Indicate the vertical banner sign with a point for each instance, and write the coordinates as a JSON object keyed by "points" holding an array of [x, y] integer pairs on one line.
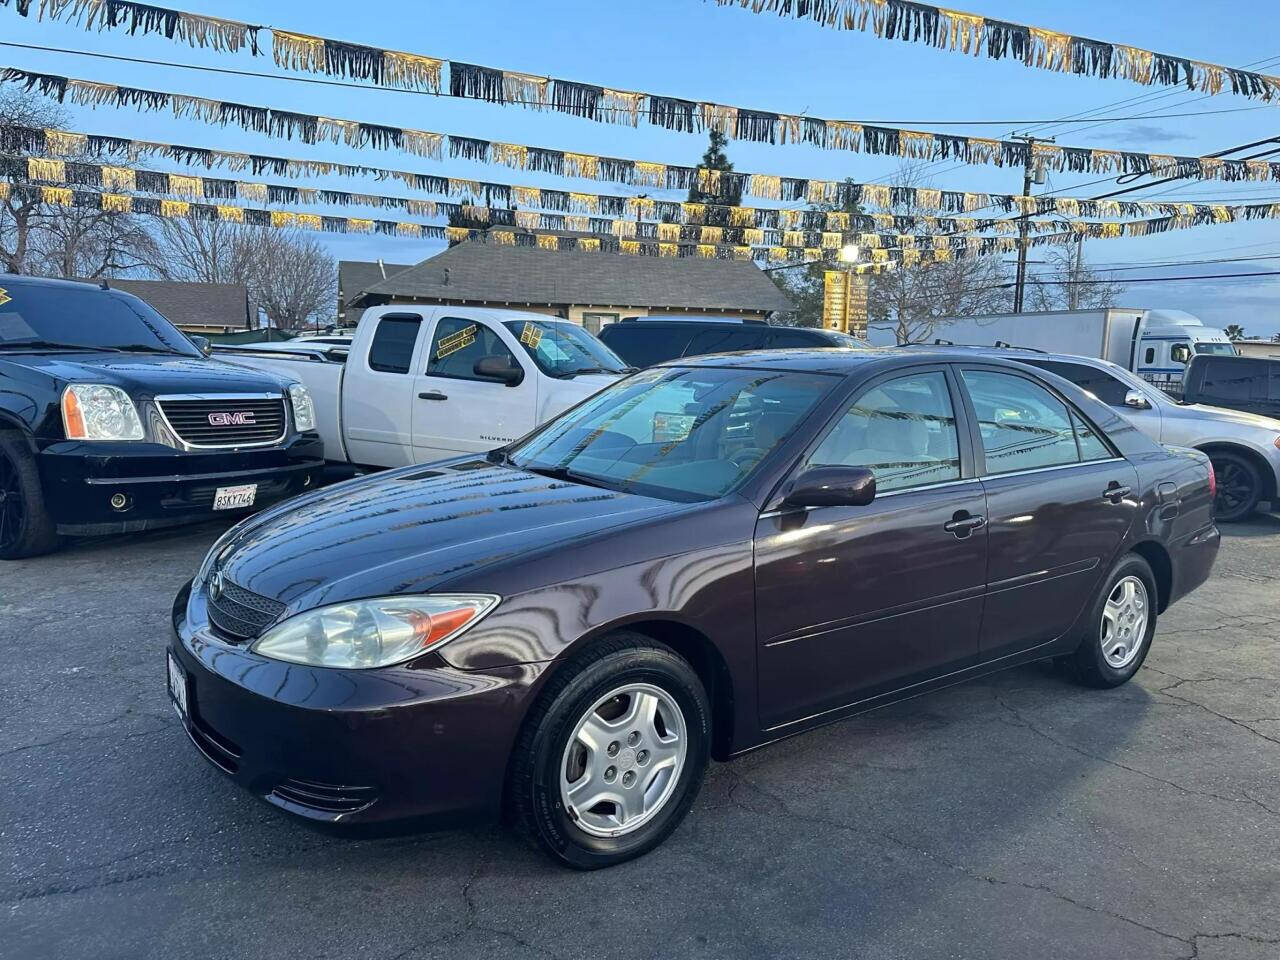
{"points": [[835, 300], [856, 309]]}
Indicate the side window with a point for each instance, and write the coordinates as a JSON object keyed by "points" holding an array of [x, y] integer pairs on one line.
{"points": [[1228, 380], [1149, 356], [796, 339], [725, 337], [904, 430], [1092, 446], [392, 348], [642, 344], [458, 344], [595, 322], [1023, 425], [1098, 382]]}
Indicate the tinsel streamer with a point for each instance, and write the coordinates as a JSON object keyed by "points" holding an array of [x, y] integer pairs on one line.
{"points": [[117, 203], [423, 144], [503, 237], [576, 99], [256, 192], [831, 241], [185, 186], [706, 250], [525, 89], [39, 168], [468, 148], [548, 241], [381, 137], [509, 155], [1049, 50], [174, 208], [298, 51], [281, 194], [581, 165], [673, 114], [411, 72], [353, 60], [614, 170], [621, 107], [259, 120], [1133, 63], [475, 82], [718, 117], [583, 202]]}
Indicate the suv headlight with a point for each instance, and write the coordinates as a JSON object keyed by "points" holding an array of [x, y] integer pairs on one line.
{"points": [[304, 411], [364, 634], [93, 411]]}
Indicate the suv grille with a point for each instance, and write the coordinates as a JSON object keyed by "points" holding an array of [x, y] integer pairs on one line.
{"points": [[226, 422], [240, 614]]}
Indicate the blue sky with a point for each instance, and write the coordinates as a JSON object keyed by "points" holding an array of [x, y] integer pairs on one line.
{"points": [[696, 50]]}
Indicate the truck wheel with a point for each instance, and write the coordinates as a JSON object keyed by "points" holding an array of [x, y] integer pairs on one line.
{"points": [[1239, 486], [26, 529]]}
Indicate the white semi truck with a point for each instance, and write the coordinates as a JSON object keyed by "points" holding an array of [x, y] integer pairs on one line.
{"points": [[1155, 344]]}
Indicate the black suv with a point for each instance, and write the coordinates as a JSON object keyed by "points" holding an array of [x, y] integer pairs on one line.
{"points": [[1251, 384], [112, 420], [643, 341]]}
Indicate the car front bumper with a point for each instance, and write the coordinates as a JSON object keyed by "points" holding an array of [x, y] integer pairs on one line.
{"points": [[161, 485], [350, 746]]}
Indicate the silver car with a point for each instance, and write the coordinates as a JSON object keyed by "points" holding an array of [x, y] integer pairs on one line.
{"points": [[1243, 447]]}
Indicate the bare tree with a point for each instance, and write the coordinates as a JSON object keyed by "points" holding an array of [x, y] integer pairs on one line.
{"points": [[1073, 284], [912, 301], [51, 239], [290, 275]]}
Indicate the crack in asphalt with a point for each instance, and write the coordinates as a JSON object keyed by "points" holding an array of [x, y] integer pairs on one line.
{"points": [[1028, 724], [79, 735]]}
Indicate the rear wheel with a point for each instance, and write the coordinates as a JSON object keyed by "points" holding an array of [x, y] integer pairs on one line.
{"points": [[1121, 625], [611, 757], [1239, 486], [26, 529]]}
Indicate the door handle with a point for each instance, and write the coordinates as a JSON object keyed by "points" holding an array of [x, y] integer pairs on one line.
{"points": [[433, 395], [961, 526], [1115, 493]]}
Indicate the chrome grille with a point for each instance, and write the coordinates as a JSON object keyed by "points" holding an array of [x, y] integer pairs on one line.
{"points": [[237, 613], [225, 421]]}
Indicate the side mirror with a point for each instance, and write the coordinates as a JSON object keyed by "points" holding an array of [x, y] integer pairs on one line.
{"points": [[203, 344], [832, 487], [1180, 353], [499, 367], [1137, 399]]}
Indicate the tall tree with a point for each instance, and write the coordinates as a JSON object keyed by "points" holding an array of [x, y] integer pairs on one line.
{"points": [[1071, 284], [1234, 331], [715, 159]]}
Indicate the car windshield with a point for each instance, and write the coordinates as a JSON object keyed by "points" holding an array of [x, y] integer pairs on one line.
{"points": [[85, 318], [1216, 349], [676, 433], [564, 349]]}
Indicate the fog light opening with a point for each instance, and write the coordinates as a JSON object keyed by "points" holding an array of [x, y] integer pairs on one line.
{"points": [[120, 502]]}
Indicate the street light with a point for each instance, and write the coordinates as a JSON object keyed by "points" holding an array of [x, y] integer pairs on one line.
{"points": [[849, 253]]}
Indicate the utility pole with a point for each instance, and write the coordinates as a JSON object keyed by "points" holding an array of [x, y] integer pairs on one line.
{"points": [[1031, 171]]}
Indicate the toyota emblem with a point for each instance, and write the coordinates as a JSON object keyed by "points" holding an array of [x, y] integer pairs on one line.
{"points": [[215, 585]]}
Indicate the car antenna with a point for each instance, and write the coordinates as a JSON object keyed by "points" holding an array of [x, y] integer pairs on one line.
{"points": [[103, 285]]}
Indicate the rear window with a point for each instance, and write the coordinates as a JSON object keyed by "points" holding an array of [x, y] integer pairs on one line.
{"points": [[1233, 379], [642, 344], [84, 317], [792, 339], [393, 342]]}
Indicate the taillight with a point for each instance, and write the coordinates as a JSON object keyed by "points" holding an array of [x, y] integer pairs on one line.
{"points": [[1213, 483]]}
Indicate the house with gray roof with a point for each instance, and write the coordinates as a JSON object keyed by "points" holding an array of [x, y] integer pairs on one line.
{"points": [[354, 277], [204, 308], [589, 288]]}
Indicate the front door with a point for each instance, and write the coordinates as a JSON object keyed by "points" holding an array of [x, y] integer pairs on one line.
{"points": [[457, 410], [1059, 502], [852, 602], [377, 409]]}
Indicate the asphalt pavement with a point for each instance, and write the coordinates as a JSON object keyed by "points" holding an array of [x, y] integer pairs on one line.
{"points": [[1016, 817]]}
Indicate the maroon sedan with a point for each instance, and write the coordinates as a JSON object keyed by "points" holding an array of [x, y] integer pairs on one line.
{"points": [[705, 557]]}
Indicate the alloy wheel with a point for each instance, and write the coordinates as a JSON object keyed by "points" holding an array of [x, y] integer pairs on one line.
{"points": [[1235, 487], [1124, 622], [12, 507], [624, 759]]}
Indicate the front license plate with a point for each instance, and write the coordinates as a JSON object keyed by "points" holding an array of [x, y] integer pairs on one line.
{"points": [[235, 498], [177, 686]]}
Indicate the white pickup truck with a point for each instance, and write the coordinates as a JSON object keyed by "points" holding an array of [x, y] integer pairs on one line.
{"points": [[418, 384]]}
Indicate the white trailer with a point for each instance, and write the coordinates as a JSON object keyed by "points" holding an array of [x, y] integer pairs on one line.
{"points": [[1154, 344]]}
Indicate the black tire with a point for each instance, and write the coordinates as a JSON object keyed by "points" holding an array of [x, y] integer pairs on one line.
{"points": [[26, 529], [1239, 486], [540, 751], [1090, 664]]}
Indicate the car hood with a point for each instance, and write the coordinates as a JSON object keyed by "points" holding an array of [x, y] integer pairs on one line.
{"points": [[411, 530], [1225, 415], [144, 375]]}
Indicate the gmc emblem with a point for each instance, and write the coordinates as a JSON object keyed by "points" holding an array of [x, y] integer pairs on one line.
{"points": [[239, 418]]}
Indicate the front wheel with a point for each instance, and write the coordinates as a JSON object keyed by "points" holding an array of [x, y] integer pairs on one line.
{"points": [[1239, 486], [1121, 625], [26, 529], [611, 757]]}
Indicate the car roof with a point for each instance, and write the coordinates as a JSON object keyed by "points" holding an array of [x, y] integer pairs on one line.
{"points": [[838, 360], [1023, 354]]}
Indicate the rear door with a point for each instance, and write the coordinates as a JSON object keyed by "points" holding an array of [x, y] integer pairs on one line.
{"points": [[1059, 500], [852, 602], [455, 410], [1111, 390], [377, 408]]}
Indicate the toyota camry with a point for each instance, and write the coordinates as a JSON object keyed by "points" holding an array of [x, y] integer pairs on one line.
{"points": [[704, 557]]}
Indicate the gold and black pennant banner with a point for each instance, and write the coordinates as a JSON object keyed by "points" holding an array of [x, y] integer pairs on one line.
{"points": [[974, 35], [885, 141]]}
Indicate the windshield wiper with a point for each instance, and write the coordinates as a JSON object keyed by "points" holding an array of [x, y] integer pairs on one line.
{"points": [[144, 348], [566, 374], [565, 475], [47, 345]]}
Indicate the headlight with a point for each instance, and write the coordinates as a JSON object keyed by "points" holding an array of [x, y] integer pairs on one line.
{"points": [[92, 411], [304, 411], [373, 633]]}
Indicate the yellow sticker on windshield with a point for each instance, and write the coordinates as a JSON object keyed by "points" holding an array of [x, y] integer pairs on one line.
{"points": [[455, 342], [4, 296], [531, 335]]}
